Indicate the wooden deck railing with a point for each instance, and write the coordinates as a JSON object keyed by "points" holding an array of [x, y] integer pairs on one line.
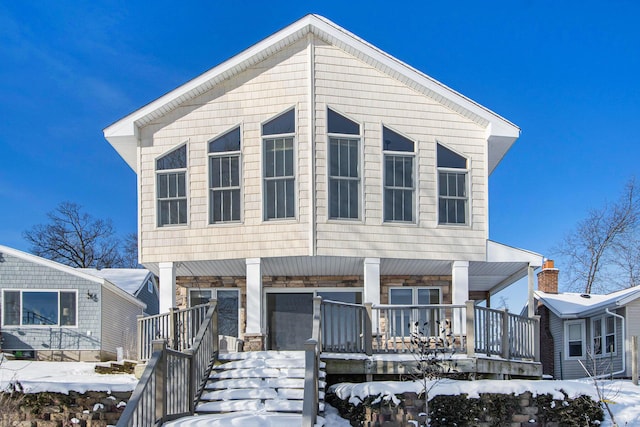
{"points": [[177, 327], [470, 329], [173, 380]]}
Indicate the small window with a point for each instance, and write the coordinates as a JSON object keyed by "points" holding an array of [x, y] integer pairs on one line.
{"points": [[228, 307], [149, 286], [224, 177], [39, 308], [399, 182], [344, 167], [279, 170], [172, 187], [453, 199], [574, 339]]}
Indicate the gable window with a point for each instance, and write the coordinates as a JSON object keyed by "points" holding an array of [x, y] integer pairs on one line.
{"points": [[224, 177], [171, 172], [399, 183], [344, 166], [228, 307], [403, 318], [279, 176], [39, 308], [603, 330], [574, 332], [453, 199]]}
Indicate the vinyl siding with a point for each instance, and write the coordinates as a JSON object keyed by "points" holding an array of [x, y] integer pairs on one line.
{"points": [[119, 323], [17, 273]]}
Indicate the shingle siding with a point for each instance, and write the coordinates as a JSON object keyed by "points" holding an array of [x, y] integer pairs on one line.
{"points": [[119, 323]]}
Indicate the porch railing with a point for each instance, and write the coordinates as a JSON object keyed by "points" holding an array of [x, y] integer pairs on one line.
{"points": [[312, 349], [177, 327], [160, 394], [470, 329]]}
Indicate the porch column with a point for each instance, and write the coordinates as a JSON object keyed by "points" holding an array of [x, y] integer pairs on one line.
{"points": [[254, 296], [531, 301], [460, 282], [167, 286], [372, 285]]}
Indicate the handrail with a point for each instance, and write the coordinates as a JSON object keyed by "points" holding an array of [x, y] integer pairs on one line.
{"points": [[160, 394], [312, 349]]}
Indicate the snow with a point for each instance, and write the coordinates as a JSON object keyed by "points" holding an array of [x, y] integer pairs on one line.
{"points": [[63, 377], [127, 279]]}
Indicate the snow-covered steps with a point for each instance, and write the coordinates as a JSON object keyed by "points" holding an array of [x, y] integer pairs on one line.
{"points": [[259, 382]]}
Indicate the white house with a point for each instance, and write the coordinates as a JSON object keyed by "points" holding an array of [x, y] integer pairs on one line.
{"points": [[314, 163]]}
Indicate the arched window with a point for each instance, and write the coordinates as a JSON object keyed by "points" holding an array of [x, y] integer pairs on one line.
{"points": [[224, 177], [171, 171], [453, 198], [399, 182], [344, 166]]}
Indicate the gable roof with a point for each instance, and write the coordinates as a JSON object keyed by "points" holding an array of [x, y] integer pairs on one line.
{"points": [[573, 305], [130, 280], [500, 133], [77, 272]]}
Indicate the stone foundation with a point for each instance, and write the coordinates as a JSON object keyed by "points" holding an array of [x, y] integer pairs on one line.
{"points": [[253, 342]]}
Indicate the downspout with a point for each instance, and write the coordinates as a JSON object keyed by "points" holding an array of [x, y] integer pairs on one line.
{"points": [[624, 350]]}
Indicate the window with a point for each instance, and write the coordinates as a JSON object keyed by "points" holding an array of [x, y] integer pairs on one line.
{"points": [[603, 330], [574, 332], [172, 187], [228, 307], [39, 308], [224, 179], [149, 286], [403, 318], [344, 167], [279, 176], [452, 187], [399, 187]]}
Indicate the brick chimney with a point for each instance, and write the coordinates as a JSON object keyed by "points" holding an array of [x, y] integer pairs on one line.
{"points": [[548, 278]]}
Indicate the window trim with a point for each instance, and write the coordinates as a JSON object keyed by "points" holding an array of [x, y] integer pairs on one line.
{"points": [[360, 179], [603, 336], [158, 172], [467, 173], [414, 189], [57, 325], [583, 334], [214, 295], [414, 293], [240, 187], [295, 177]]}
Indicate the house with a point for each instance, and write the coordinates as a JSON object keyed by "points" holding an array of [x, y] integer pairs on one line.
{"points": [[585, 329], [315, 164], [52, 311], [139, 282]]}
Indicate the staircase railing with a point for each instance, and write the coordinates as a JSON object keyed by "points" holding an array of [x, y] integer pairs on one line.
{"points": [[312, 349], [177, 327], [173, 380]]}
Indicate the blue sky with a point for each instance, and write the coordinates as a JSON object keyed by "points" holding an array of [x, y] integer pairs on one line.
{"points": [[565, 72]]}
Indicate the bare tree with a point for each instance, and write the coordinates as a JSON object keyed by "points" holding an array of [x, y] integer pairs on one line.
{"points": [[130, 251], [594, 247], [75, 238]]}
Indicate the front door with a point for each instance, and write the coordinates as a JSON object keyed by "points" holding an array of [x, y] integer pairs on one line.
{"points": [[289, 320]]}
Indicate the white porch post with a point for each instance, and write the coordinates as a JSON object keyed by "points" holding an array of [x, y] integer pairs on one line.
{"points": [[530, 298], [372, 285], [254, 296], [167, 286], [460, 282]]}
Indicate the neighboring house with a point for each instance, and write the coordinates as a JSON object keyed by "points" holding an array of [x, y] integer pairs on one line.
{"points": [[139, 282], [52, 311], [314, 163], [591, 329]]}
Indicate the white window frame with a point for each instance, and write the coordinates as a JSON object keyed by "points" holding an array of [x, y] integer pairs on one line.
{"points": [[458, 171], [212, 190], [161, 172], [385, 187], [214, 295], [603, 336], [57, 325], [265, 179], [583, 333], [414, 292]]}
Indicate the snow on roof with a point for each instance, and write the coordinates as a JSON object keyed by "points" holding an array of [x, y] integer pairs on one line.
{"points": [[127, 279], [571, 305]]}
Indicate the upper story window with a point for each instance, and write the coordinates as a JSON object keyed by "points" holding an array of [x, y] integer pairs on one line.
{"points": [[224, 178], [344, 166], [279, 176], [171, 176], [574, 332], [453, 199], [399, 182], [604, 335], [39, 308]]}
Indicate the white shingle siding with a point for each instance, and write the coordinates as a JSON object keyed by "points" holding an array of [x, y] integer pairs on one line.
{"points": [[119, 323], [353, 88]]}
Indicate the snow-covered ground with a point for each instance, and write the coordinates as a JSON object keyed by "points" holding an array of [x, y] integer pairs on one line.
{"points": [[62, 377]]}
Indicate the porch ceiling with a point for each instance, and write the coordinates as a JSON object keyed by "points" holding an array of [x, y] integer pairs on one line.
{"points": [[483, 276]]}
